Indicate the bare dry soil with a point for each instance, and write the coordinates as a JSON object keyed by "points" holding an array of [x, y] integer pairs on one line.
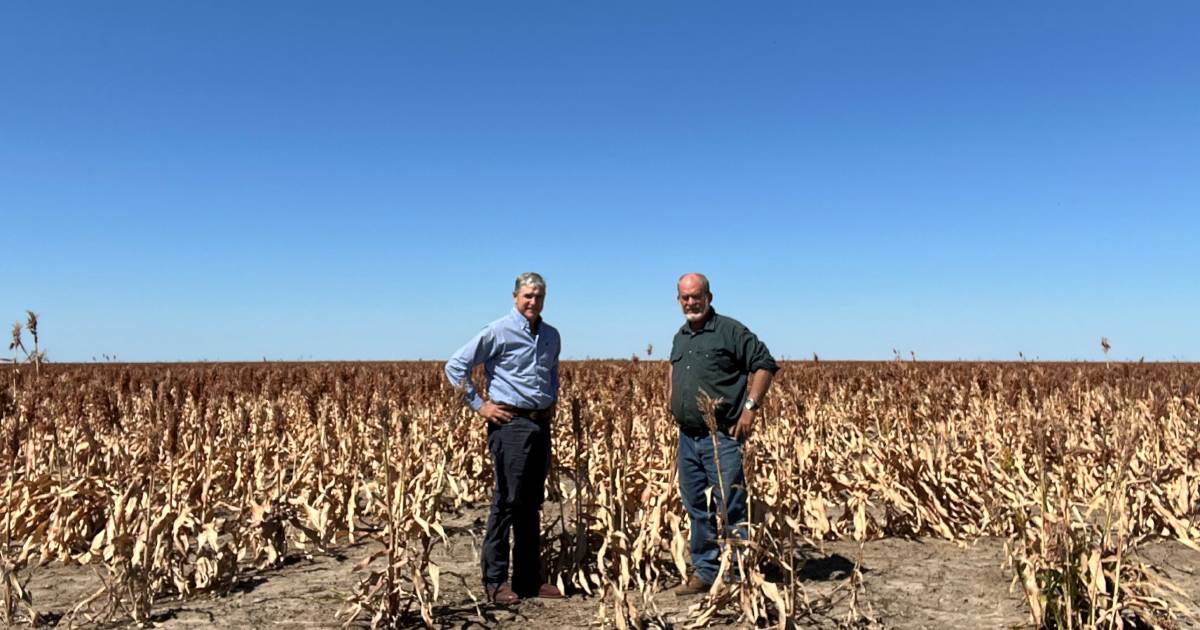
{"points": [[907, 584]]}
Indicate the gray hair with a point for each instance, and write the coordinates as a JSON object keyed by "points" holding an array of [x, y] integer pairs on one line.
{"points": [[703, 280], [529, 278]]}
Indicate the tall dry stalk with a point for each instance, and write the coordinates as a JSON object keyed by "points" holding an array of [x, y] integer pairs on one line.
{"points": [[708, 407], [35, 357], [581, 539], [16, 592], [385, 425], [8, 569]]}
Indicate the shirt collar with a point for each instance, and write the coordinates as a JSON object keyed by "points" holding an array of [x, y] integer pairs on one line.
{"points": [[519, 320], [710, 324]]}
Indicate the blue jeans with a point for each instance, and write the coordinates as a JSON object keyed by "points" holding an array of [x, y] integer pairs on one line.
{"points": [[698, 473]]}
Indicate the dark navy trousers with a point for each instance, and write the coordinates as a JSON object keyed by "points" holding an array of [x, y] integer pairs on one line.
{"points": [[521, 457]]}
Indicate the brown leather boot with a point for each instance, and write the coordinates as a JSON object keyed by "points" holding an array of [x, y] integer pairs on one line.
{"points": [[693, 586], [502, 594], [549, 591]]}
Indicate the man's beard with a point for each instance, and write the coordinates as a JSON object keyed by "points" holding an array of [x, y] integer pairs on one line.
{"points": [[695, 317]]}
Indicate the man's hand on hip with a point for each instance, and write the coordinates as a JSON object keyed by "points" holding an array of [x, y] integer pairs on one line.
{"points": [[744, 427], [495, 413]]}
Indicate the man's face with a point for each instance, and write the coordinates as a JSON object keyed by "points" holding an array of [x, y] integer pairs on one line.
{"points": [[529, 300], [693, 299]]}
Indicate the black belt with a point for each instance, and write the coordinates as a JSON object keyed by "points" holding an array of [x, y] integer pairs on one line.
{"points": [[698, 432], [540, 415]]}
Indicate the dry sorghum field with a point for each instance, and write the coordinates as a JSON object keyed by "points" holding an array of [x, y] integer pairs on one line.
{"points": [[882, 494]]}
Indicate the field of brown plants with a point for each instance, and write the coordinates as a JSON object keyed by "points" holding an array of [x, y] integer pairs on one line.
{"points": [[153, 487]]}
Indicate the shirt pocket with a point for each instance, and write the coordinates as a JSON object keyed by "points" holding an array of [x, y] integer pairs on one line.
{"points": [[720, 360], [546, 351], [677, 372]]}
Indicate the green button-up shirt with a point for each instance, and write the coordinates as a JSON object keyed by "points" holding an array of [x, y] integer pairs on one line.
{"points": [[717, 359]]}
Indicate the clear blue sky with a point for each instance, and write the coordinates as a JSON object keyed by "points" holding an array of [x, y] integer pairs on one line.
{"points": [[233, 180]]}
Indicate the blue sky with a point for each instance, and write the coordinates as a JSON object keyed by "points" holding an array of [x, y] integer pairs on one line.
{"points": [[293, 180]]}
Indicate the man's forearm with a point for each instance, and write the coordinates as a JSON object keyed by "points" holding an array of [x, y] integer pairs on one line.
{"points": [[670, 373], [759, 384]]}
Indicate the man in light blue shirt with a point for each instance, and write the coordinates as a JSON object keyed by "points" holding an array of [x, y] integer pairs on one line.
{"points": [[519, 353]]}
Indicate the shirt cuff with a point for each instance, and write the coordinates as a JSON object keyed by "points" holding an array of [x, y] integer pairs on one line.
{"points": [[475, 401], [769, 366]]}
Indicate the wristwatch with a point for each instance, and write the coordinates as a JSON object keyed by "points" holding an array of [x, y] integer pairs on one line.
{"points": [[750, 405]]}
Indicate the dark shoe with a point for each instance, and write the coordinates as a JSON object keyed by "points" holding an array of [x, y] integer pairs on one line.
{"points": [[549, 591], [693, 586], [502, 594], [545, 591]]}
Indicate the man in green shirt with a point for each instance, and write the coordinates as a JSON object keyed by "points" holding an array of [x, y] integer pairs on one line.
{"points": [[719, 369]]}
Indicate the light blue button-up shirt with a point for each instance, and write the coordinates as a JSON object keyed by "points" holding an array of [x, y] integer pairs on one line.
{"points": [[522, 369]]}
